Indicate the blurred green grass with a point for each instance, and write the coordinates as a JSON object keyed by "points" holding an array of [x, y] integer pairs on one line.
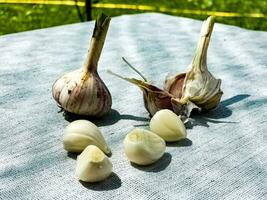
{"points": [[22, 17]]}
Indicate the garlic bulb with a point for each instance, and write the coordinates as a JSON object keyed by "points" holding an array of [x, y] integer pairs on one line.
{"points": [[198, 86], [82, 91], [81, 133], [93, 165], [168, 126], [143, 147]]}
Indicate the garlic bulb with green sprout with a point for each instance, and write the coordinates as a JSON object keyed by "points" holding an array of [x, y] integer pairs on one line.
{"points": [[198, 86], [82, 91]]}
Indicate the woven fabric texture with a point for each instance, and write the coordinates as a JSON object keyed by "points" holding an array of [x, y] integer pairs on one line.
{"points": [[224, 157]]}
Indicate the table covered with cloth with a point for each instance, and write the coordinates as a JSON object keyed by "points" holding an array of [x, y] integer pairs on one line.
{"points": [[223, 157]]}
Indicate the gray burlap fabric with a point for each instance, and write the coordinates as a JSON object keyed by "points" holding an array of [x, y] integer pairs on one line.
{"points": [[224, 157]]}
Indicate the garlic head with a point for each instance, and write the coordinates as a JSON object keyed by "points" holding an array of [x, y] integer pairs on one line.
{"points": [[143, 147], [93, 165], [81, 133], [200, 86], [82, 91], [197, 88], [168, 126]]}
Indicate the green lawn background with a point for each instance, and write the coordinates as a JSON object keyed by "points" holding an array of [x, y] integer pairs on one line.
{"points": [[22, 17]]}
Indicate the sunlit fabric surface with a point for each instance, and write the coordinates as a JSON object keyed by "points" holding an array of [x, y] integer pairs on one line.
{"points": [[224, 157]]}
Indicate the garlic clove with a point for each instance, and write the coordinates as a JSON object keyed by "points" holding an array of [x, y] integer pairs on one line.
{"points": [[143, 147], [168, 126], [93, 165], [82, 91], [81, 133]]}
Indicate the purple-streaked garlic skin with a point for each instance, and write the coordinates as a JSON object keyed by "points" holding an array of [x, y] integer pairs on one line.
{"points": [[174, 85], [155, 99], [83, 94]]}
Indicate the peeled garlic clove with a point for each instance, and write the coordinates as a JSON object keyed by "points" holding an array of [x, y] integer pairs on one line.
{"points": [[143, 147], [168, 126], [82, 91], [93, 165], [81, 133]]}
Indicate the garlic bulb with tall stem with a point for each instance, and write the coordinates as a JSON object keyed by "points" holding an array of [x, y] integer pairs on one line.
{"points": [[198, 86], [82, 91]]}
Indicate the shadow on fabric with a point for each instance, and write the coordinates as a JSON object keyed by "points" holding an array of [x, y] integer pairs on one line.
{"points": [[111, 183], [181, 143], [214, 116], [111, 118], [158, 166], [74, 155]]}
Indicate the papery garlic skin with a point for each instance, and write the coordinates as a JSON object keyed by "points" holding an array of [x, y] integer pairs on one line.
{"points": [[174, 85], [82, 91], [154, 98], [168, 126], [93, 165], [83, 94], [143, 147], [81, 133]]}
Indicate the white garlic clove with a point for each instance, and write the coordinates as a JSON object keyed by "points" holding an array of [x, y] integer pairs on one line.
{"points": [[143, 147], [168, 126], [81, 133], [93, 165]]}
